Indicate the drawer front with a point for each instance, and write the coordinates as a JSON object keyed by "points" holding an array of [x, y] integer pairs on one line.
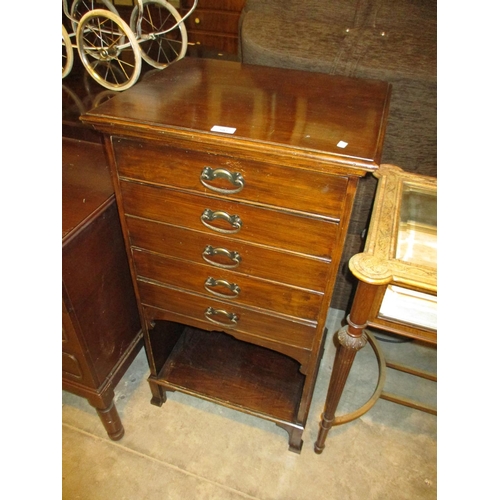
{"points": [[230, 286], [218, 315], [220, 252], [219, 22], [239, 221], [220, 42], [236, 5], [282, 187]]}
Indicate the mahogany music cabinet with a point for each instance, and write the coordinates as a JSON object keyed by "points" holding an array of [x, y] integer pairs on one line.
{"points": [[235, 185]]}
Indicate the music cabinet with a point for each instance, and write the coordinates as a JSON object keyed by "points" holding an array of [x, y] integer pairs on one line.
{"points": [[235, 186]]}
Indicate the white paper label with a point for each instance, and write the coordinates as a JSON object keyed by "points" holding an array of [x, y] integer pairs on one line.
{"points": [[224, 130], [342, 144]]}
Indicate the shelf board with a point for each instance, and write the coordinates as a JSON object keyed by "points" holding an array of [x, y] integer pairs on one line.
{"points": [[236, 374]]}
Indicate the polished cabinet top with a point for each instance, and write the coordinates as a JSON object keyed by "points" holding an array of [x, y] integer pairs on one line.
{"points": [[86, 183], [317, 115]]}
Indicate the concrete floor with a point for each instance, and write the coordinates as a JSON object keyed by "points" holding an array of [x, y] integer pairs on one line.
{"points": [[192, 449]]}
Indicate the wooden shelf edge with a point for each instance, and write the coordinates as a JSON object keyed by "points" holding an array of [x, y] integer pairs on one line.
{"points": [[208, 365]]}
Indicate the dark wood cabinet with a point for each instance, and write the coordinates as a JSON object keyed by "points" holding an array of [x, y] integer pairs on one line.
{"points": [[101, 329], [235, 186], [213, 26]]}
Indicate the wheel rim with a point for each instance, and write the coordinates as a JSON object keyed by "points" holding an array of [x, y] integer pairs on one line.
{"points": [[108, 50], [80, 7], [159, 45], [67, 53]]}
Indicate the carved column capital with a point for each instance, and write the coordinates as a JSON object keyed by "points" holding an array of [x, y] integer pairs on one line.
{"points": [[350, 342]]}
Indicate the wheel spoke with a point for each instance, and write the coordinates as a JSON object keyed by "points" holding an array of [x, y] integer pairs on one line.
{"points": [[108, 41], [163, 37]]}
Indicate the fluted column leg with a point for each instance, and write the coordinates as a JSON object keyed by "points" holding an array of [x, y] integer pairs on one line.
{"points": [[351, 339]]}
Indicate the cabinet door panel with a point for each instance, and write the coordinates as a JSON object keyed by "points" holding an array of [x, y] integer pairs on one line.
{"points": [[74, 364]]}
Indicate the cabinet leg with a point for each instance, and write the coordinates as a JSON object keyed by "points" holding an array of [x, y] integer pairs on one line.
{"points": [[351, 339], [111, 421], [294, 437], [158, 392]]}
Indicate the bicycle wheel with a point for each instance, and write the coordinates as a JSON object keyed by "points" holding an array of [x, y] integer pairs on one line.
{"points": [[67, 53], [80, 7], [108, 49], [161, 42]]}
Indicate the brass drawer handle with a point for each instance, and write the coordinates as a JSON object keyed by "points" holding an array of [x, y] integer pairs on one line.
{"points": [[233, 288], [233, 220], [235, 178], [210, 251], [232, 318]]}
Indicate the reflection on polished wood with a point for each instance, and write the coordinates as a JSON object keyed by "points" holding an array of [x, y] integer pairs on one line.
{"points": [[81, 93], [312, 113]]}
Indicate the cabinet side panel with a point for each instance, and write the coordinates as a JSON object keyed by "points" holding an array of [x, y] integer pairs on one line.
{"points": [[97, 277]]}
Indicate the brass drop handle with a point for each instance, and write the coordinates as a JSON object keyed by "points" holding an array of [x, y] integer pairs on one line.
{"points": [[235, 178], [211, 283], [230, 319], [233, 257], [233, 220]]}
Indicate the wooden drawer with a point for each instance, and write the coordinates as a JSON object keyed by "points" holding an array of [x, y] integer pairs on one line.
{"points": [[220, 22], [257, 324], [233, 287], [236, 5], [295, 189], [267, 227], [223, 43], [266, 263]]}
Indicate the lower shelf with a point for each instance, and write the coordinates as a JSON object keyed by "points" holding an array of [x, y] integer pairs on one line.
{"points": [[236, 374]]}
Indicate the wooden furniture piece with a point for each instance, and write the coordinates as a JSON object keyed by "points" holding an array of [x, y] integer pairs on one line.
{"points": [[101, 329], [397, 289], [213, 25], [235, 184]]}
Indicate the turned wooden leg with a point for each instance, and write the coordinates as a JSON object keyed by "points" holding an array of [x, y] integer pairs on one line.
{"points": [[111, 421], [158, 392], [104, 404], [351, 339]]}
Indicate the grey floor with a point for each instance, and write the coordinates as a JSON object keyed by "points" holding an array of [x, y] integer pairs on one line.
{"points": [[192, 449]]}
